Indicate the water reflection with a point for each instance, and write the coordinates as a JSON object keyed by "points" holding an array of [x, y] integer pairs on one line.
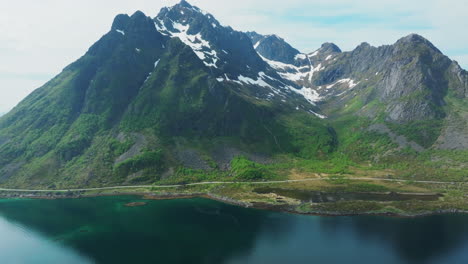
{"points": [[175, 231], [201, 231], [19, 245], [416, 240]]}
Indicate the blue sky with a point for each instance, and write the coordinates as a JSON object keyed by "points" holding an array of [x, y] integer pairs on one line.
{"points": [[39, 38]]}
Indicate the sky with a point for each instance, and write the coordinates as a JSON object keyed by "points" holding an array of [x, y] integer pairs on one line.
{"points": [[39, 38]]}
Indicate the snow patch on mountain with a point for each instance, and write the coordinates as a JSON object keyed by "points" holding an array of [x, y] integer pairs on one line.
{"points": [[317, 114], [351, 83], [156, 63], [292, 72], [300, 56], [311, 95], [262, 80], [277, 65], [200, 46], [257, 44], [159, 24], [151, 72], [259, 81], [295, 74], [315, 53], [314, 70]]}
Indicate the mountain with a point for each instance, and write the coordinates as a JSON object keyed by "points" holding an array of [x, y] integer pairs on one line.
{"points": [[227, 53], [409, 85], [152, 96], [180, 97]]}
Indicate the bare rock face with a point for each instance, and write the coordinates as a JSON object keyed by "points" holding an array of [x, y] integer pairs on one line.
{"points": [[409, 77], [414, 83], [459, 80], [135, 150], [191, 158], [455, 133], [398, 139], [275, 48], [404, 83], [9, 170]]}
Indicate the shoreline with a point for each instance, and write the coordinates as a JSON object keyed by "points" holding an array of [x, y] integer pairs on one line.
{"points": [[283, 208]]}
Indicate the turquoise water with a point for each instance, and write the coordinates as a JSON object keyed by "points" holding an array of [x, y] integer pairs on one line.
{"points": [[104, 230]]}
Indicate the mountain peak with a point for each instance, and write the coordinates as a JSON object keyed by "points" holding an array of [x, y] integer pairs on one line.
{"points": [[364, 45], [276, 48], [120, 21], [185, 4], [275, 37], [183, 10], [139, 13], [137, 23], [213, 43], [330, 47], [413, 37]]}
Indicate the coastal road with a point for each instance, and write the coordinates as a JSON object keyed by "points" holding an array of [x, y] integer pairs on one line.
{"points": [[217, 182]]}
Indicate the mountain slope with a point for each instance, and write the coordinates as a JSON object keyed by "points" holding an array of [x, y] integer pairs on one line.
{"points": [[180, 98], [410, 86], [143, 102]]}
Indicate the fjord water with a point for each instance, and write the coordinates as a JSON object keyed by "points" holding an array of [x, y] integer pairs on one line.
{"points": [[104, 230]]}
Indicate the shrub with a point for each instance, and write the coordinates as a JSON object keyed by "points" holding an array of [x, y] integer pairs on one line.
{"points": [[148, 160], [245, 169]]}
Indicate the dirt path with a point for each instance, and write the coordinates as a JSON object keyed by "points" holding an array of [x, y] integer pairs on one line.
{"points": [[217, 182]]}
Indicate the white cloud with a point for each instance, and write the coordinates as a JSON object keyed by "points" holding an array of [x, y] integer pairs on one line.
{"points": [[39, 38]]}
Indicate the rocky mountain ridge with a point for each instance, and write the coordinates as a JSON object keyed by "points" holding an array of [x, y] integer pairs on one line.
{"points": [[180, 96], [330, 68], [409, 81]]}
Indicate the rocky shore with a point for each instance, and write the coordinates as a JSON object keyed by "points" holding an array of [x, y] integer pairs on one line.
{"points": [[285, 207]]}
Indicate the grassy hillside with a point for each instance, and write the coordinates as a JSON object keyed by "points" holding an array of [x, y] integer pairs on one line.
{"points": [[142, 108], [120, 120]]}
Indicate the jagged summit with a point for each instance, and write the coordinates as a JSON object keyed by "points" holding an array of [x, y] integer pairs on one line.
{"points": [[254, 36], [134, 26], [413, 37], [275, 36], [120, 21], [413, 40], [139, 13], [363, 46], [276, 48], [185, 4], [228, 53], [330, 47]]}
